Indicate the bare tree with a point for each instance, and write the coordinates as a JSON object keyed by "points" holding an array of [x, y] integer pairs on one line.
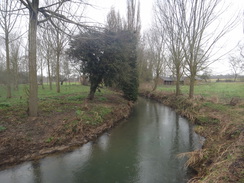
{"points": [[157, 48], [193, 20], [236, 65], [59, 41], [41, 60], [66, 69], [14, 59], [168, 19], [199, 43], [133, 16], [145, 65], [237, 62], [114, 21], [46, 51], [48, 15], [8, 20]]}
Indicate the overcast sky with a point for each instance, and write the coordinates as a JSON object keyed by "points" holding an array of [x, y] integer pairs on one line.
{"points": [[101, 8], [228, 43]]}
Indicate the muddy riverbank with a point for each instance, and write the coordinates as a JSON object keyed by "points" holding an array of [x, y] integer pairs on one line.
{"points": [[62, 125]]}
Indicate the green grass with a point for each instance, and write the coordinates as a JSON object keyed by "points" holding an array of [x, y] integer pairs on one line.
{"points": [[206, 120], [74, 93], [93, 116], [217, 107], [50, 139], [2, 128], [222, 90]]}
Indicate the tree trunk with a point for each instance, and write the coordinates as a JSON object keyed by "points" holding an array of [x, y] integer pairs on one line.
{"points": [[33, 96], [42, 75], [57, 64], [93, 89], [192, 84], [155, 83], [9, 95], [57, 73], [15, 75], [178, 92], [156, 79], [235, 76], [49, 73]]}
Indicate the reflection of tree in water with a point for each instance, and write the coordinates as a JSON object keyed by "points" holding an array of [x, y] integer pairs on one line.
{"points": [[191, 138], [37, 171], [155, 110], [177, 146]]}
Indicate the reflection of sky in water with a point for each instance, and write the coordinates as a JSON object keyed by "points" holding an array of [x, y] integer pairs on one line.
{"points": [[167, 135], [103, 141], [22, 173], [142, 149]]}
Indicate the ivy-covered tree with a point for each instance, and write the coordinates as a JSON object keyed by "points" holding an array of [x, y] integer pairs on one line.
{"points": [[106, 56], [130, 83]]}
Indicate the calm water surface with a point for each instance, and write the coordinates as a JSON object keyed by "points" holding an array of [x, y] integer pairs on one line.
{"points": [[142, 149]]}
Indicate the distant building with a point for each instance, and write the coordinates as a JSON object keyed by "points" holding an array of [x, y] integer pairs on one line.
{"points": [[170, 81], [183, 81]]}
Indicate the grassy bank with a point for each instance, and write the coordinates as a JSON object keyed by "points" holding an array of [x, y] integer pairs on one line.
{"points": [[20, 96], [221, 92], [65, 120], [219, 121]]}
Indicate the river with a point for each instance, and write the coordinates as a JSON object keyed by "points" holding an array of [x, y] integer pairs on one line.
{"points": [[141, 149]]}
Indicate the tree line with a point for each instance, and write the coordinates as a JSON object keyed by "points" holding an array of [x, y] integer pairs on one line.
{"points": [[179, 43], [51, 25]]}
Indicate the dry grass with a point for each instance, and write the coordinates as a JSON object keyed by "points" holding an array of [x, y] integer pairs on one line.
{"points": [[194, 157], [222, 124]]}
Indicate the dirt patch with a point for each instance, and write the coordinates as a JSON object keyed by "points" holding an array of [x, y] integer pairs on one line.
{"points": [[61, 126]]}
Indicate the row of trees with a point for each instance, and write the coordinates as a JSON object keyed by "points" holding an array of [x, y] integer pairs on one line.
{"points": [[53, 17], [51, 24], [179, 43], [183, 38]]}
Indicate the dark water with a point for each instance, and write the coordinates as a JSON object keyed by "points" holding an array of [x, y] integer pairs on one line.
{"points": [[142, 149]]}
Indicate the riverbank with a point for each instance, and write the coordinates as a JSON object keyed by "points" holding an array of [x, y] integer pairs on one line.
{"points": [[222, 125], [64, 123]]}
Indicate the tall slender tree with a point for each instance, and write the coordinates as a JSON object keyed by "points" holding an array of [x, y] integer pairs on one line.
{"points": [[168, 20], [157, 52], [8, 21], [14, 59], [132, 25], [46, 51], [48, 14]]}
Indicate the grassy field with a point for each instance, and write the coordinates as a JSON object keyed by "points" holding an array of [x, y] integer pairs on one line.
{"points": [[20, 97], [220, 90]]}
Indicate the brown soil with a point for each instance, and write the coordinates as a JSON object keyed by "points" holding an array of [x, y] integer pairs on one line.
{"points": [[221, 158], [58, 128]]}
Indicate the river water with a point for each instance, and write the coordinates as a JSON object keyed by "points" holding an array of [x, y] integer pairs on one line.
{"points": [[141, 149]]}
